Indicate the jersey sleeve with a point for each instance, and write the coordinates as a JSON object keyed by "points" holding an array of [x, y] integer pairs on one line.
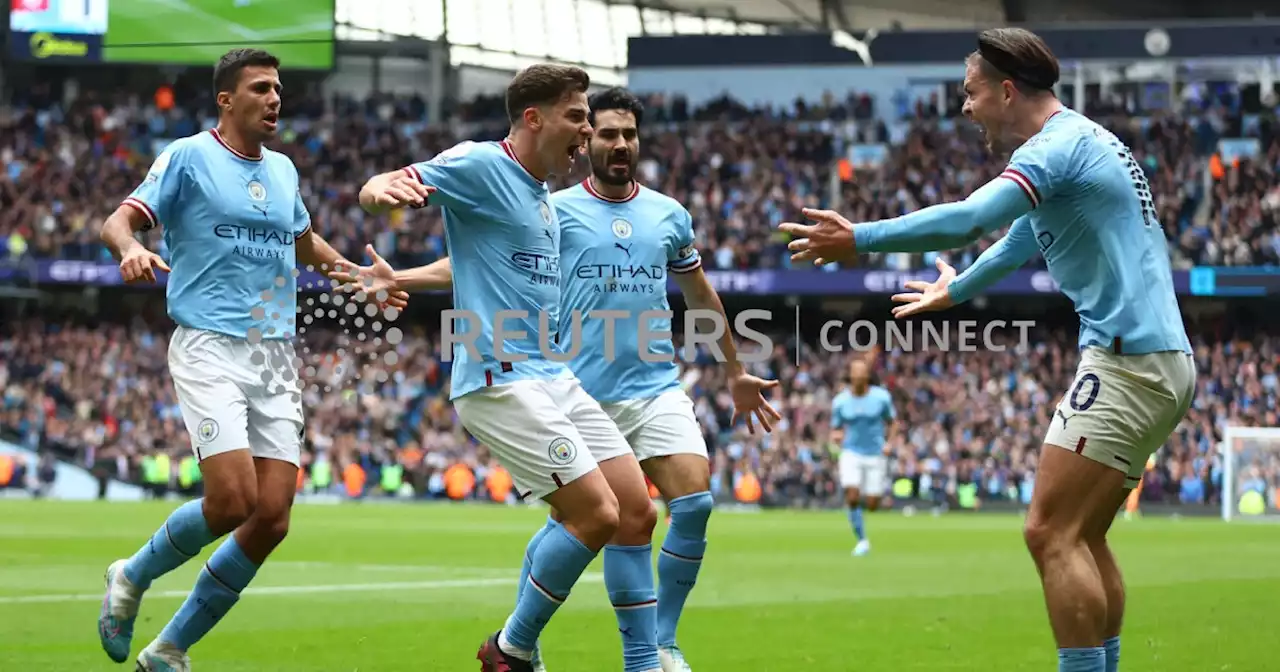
{"points": [[1042, 165], [301, 217], [1006, 255], [889, 412], [682, 256], [161, 188], [457, 174], [835, 413]]}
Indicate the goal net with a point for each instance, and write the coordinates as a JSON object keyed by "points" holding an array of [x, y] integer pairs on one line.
{"points": [[1250, 473]]}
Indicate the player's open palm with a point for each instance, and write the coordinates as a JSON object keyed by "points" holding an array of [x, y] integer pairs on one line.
{"points": [[139, 264], [376, 281], [749, 402], [926, 296]]}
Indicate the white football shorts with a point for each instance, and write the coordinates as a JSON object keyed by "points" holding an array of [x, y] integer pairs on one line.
{"points": [[659, 426], [547, 433], [237, 395], [868, 473], [1122, 408]]}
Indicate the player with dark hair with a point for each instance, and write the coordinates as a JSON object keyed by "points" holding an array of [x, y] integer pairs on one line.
{"points": [[1075, 194], [503, 230], [608, 264], [234, 219], [861, 417]]}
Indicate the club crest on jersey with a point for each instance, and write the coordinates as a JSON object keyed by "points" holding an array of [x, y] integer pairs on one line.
{"points": [[562, 451], [545, 209], [256, 191], [622, 228]]}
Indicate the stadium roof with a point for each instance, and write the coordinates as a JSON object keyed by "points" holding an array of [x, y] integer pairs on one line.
{"points": [[840, 14]]}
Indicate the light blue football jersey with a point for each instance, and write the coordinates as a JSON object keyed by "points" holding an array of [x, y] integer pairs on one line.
{"points": [[1095, 222], [863, 419], [230, 222], [616, 254], [504, 243]]}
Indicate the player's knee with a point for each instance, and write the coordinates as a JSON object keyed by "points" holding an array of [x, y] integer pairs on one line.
{"points": [[601, 523], [1043, 538], [229, 508], [636, 519]]}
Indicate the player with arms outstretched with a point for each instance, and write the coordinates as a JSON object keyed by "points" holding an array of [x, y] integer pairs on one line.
{"points": [[616, 240], [1074, 193], [504, 235], [861, 417], [234, 219]]}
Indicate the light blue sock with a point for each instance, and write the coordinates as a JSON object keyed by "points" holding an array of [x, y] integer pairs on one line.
{"points": [[628, 576], [217, 589], [1112, 647], [855, 520], [680, 560], [181, 538], [558, 562], [528, 555], [1091, 659]]}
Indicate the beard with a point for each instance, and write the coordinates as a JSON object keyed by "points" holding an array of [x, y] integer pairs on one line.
{"points": [[614, 175]]}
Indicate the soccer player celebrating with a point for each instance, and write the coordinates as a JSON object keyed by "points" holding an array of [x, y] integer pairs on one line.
{"points": [[616, 239], [1075, 194], [556, 441], [860, 417], [234, 219]]}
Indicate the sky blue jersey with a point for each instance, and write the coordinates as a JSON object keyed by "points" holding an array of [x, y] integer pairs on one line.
{"points": [[617, 253], [504, 242], [1081, 200], [863, 419], [230, 222]]}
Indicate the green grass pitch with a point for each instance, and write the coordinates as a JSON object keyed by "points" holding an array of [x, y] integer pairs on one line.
{"points": [[197, 32], [362, 587]]}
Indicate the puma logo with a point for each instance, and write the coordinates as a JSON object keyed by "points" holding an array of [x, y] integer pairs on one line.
{"points": [[626, 632], [624, 248], [1064, 417]]}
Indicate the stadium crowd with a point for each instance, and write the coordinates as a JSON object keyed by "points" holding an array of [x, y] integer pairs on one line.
{"points": [[97, 392]]}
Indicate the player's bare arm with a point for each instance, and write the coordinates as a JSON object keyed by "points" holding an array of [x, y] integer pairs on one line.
{"points": [[748, 390], [380, 276], [392, 191], [945, 226], [137, 263]]}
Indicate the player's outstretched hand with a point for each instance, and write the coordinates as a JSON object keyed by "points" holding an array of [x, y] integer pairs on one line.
{"points": [[749, 401], [927, 296], [828, 240], [401, 191], [139, 264], [377, 281]]}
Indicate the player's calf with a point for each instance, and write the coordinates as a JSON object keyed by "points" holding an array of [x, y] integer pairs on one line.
{"points": [[628, 564], [231, 495]]}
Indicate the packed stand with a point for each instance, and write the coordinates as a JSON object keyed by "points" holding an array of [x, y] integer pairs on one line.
{"points": [[740, 172], [380, 425]]}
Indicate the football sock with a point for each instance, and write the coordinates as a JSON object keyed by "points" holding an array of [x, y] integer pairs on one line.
{"points": [[557, 563], [680, 560], [217, 589], [1112, 647], [179, 539], [628, 577], [528, 555], [1091, 659], [855, 520]]}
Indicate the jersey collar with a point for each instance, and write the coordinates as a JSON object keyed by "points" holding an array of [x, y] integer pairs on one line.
{"points": [[239, 154], [511, 152], [635, 191]]}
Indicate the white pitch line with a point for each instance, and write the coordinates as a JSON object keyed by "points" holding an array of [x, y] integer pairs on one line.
{"points": [[246, 33], [296, 590]]}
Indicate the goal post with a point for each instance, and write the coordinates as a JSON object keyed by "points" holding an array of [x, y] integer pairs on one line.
{"points": [[1250, 472]]}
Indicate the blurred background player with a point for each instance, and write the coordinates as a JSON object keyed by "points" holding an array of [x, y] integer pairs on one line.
{"points": [[236, 225], [861, 418], [1075, 194], [548, 432]]}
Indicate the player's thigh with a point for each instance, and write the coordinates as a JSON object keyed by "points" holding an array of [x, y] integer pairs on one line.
{"points": [[526, 428], [277, 485], [214, 406], [1073, 494], [669, 444], [596, 426]]}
